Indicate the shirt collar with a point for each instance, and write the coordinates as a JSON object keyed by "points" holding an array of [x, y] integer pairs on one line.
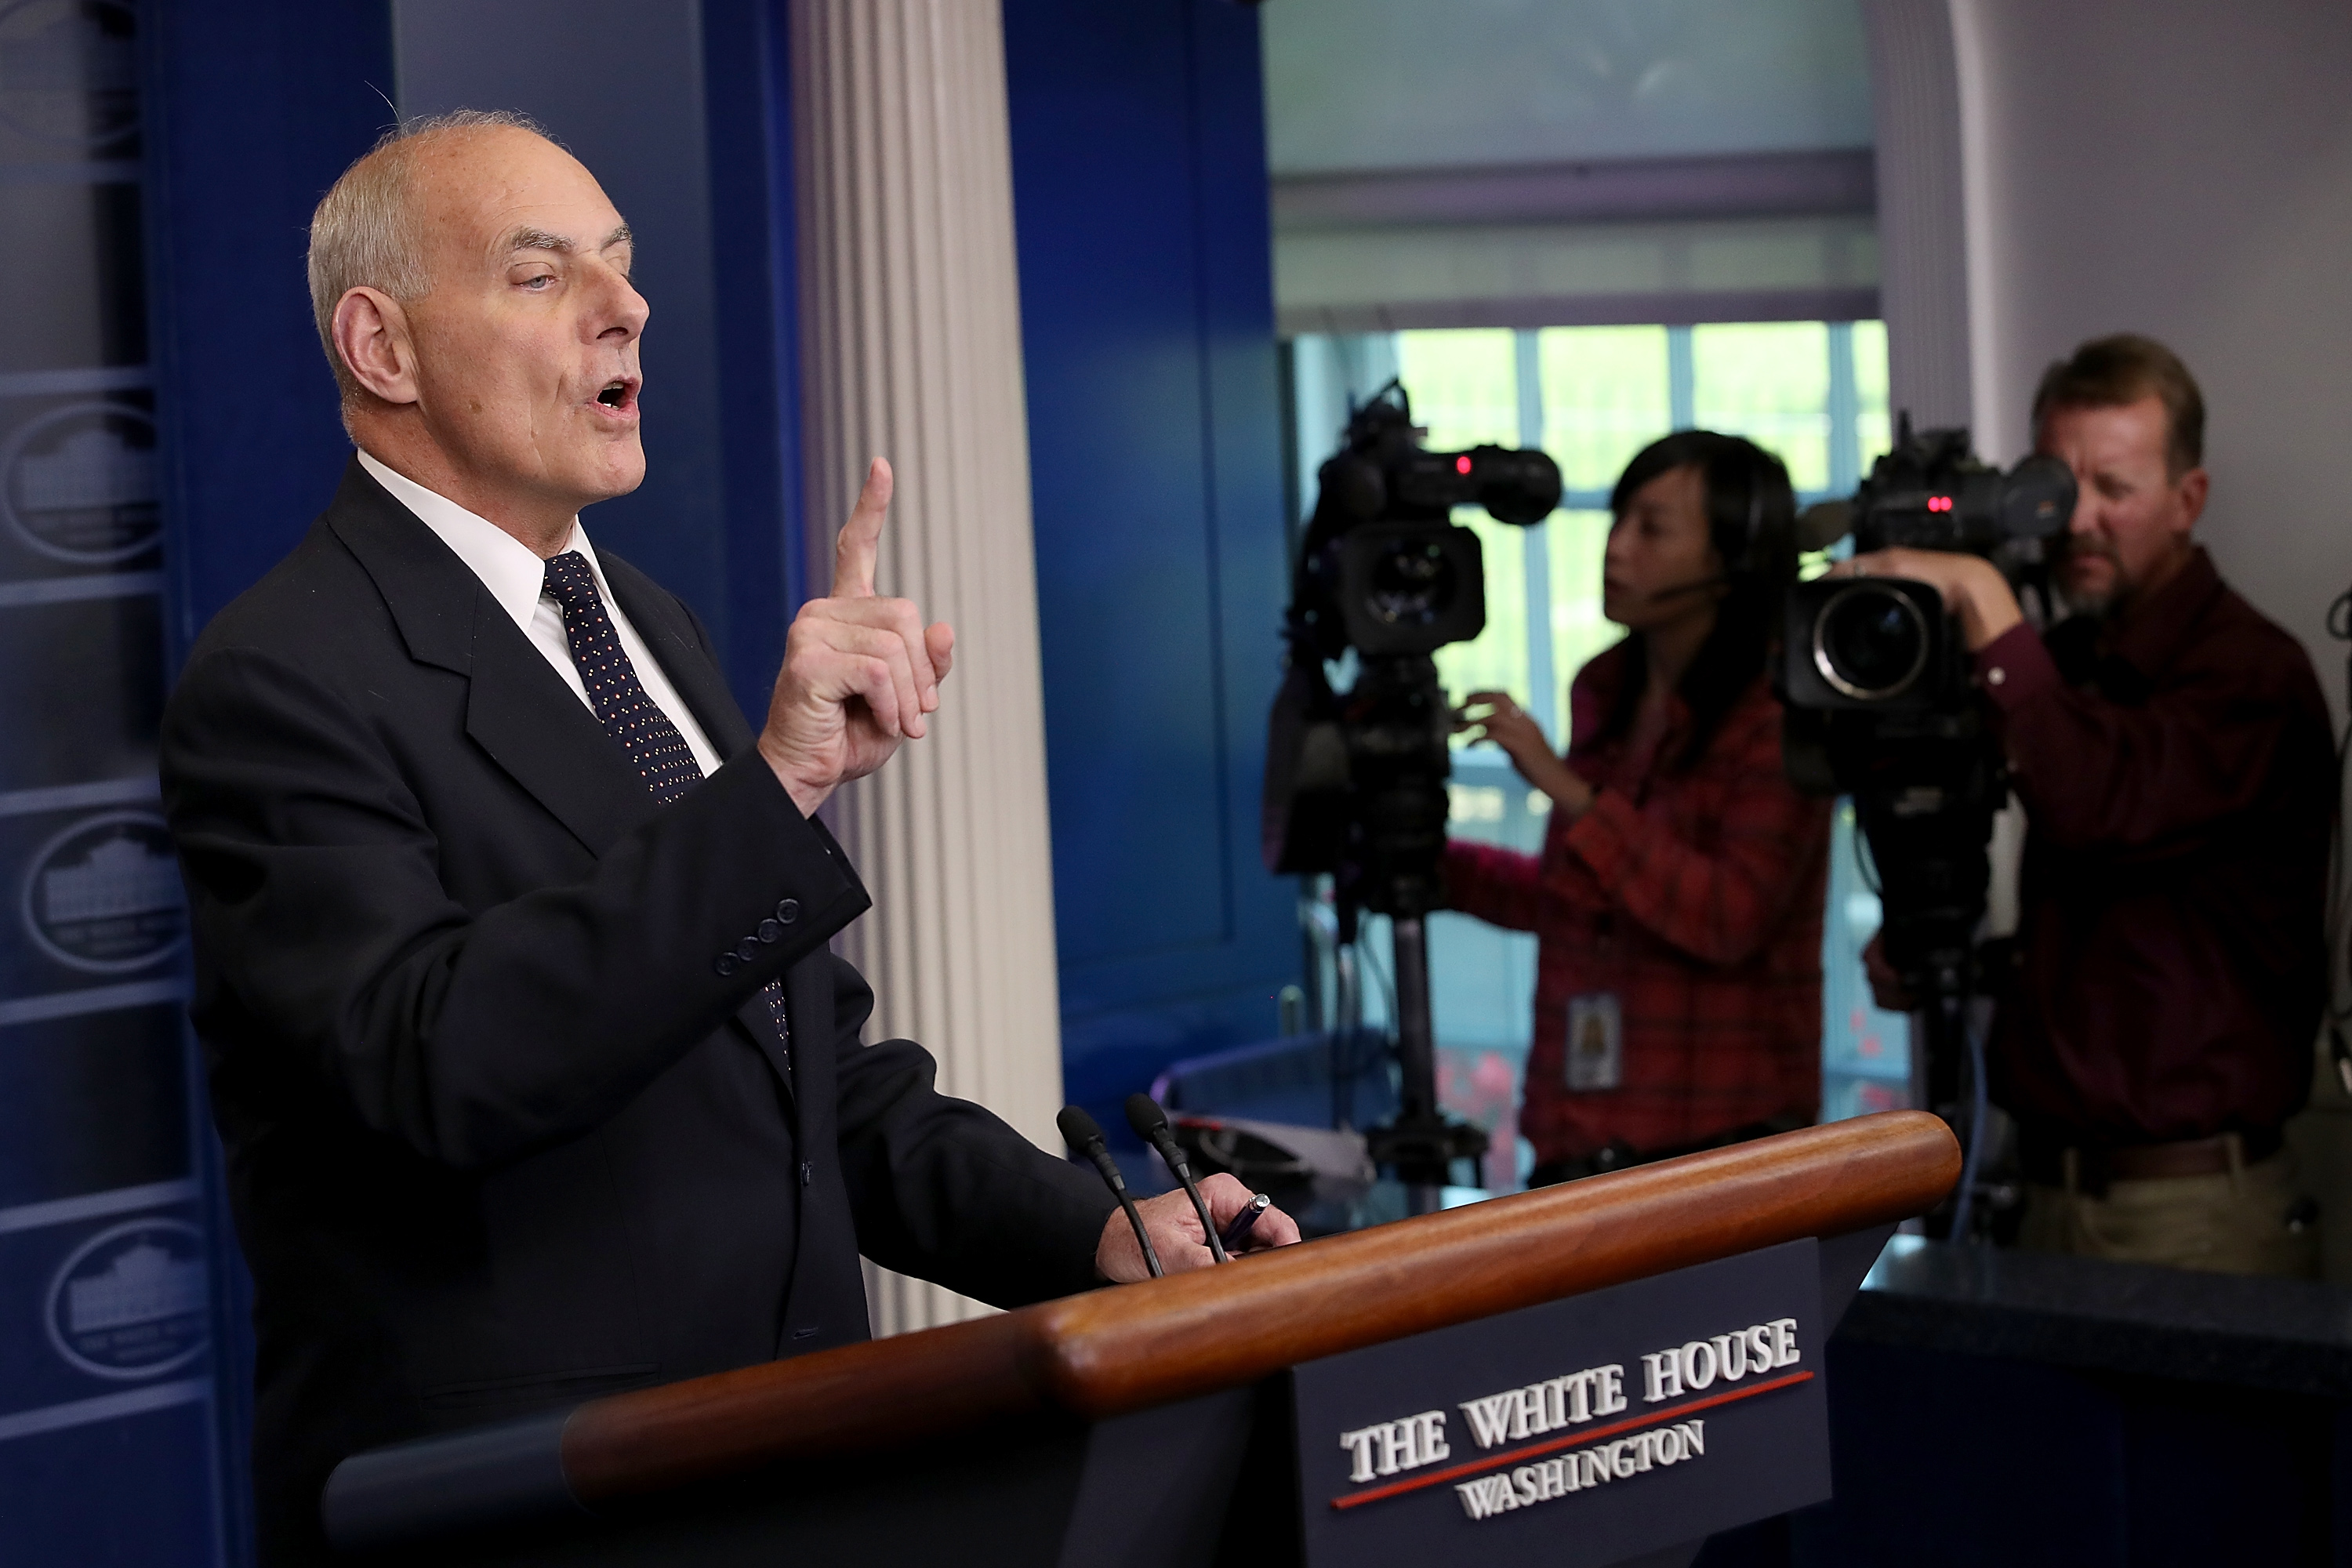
{"points": [[508, 568], [2153, 633]]}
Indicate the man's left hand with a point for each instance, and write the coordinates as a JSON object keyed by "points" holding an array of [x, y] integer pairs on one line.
{"points": [[1973, 588], [1176, 1233], [860, 670]]}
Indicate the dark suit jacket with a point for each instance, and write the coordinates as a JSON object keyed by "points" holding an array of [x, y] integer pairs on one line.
{"points": [[502, 1130]]}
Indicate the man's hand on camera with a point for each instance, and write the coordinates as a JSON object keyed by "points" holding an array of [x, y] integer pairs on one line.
{"points": [[860, 671], [1973, 588], [1512, 728]]}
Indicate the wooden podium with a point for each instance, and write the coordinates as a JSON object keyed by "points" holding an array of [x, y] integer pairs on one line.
{"points": [[1181, 1421]]}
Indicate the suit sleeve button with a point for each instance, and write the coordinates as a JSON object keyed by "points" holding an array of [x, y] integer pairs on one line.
{"points": [[747, 950], [728, 964], [788, 911], [770, 931]]}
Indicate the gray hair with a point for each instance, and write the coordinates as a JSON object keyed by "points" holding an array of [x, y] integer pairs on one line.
{"points": [[364, 232]]}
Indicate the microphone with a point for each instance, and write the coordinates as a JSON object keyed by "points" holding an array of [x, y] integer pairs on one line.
{"points": [[1679, 589], [1150, 1125], [1085, 1136]]}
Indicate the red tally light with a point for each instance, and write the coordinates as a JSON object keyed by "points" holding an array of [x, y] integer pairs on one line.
{"points": [[1939, 503], [1462, 464]]}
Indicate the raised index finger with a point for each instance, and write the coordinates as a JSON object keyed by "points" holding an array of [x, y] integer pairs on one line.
{"points": [[860, 540]]}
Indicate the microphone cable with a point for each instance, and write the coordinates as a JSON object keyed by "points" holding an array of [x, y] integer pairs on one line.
{"points": [[1084, 1137], [1150, 1125]]}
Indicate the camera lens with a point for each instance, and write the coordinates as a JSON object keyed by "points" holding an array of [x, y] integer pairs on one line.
{"points": [[1870, 642], [1410, 585]]}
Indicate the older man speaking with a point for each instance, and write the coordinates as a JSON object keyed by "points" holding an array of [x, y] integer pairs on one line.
{"points": [[536, 1077]]}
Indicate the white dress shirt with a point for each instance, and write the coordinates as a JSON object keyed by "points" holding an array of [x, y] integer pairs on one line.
{"points": [[517, 579]]}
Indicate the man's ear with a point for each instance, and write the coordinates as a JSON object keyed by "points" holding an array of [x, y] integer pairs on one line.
{"points": [[2193, 486], [371, 331]]}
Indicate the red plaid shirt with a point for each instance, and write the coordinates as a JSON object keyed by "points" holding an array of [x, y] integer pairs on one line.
{"points": [[1695, 896]]}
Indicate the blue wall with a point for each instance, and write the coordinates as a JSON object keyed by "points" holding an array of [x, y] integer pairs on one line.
{"points": [[1140, 191], [258, 107]]}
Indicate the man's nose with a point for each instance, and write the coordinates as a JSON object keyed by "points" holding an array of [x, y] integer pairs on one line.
{"points": [[2086, 508], [623, 310]]}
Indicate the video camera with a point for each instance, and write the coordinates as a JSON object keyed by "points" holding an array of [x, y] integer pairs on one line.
{"points": [[1879, 703], [1885, 646], [1382, 569], [1355, 780]]}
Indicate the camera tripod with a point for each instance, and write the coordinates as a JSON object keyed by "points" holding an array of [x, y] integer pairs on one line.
{"points": [[1423, 1143], [1929, 842], [1394, 839]]}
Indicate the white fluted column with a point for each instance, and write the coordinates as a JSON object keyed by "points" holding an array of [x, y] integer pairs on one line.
{"points": [[910, 341]]}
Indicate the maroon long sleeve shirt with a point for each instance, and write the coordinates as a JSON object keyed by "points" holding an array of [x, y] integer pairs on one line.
{"points": [[2177, 776]]}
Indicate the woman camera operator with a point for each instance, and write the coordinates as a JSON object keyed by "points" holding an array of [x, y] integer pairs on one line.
{"points": [[1678, 896]]}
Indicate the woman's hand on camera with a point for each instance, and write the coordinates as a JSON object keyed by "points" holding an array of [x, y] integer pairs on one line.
{"points": [[1512, 728], [1885, 985]]}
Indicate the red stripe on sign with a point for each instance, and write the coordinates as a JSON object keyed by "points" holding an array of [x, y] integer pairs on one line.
{"points": [[1573, 1440]]}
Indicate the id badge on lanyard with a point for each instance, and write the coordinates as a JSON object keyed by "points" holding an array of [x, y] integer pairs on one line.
{"points": [[1596, 1042]]}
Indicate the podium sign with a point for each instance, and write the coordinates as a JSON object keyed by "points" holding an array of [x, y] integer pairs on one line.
{"points": [[1584, 1431], [1627, 1364]]}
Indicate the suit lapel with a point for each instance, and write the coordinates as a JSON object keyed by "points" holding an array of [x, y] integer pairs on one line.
{"points": [[535, 727], [678, 642], [518, 709]]}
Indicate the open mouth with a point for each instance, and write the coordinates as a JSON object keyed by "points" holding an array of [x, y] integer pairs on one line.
{"points": [[619, 392]]}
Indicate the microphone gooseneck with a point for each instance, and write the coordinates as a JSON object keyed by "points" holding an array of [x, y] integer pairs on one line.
{"points": [[1679, 589], [1150, 1125], [1084, 1137]]}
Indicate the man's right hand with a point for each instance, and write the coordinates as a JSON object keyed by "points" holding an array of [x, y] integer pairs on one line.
{"points": [[1885, 986], [860, 671], [1176, 1233]]}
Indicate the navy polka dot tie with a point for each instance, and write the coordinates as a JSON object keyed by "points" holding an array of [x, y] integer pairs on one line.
{"points": [[659, 752]]}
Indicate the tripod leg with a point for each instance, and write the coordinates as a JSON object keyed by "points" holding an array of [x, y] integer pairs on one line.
{"points": [[1416, 1036]]}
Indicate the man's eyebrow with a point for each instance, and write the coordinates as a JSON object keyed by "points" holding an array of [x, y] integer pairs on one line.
{"points": [[516, 239], [528, 239]]}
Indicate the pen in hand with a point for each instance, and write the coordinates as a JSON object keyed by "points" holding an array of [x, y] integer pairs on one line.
{"points": [[1233, 1234]]}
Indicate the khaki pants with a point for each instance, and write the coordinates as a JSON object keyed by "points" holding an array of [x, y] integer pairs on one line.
{"points": [[2232, 1223]]}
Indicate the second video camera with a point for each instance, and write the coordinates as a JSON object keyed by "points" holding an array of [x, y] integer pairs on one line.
{"points": [[1383, 569], [1885, 644]]}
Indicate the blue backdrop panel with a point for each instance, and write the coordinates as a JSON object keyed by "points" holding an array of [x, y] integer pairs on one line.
{"points": [[158, 1509], [116, 1072], [1139, 190], [96, 718], [166, 429]]}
